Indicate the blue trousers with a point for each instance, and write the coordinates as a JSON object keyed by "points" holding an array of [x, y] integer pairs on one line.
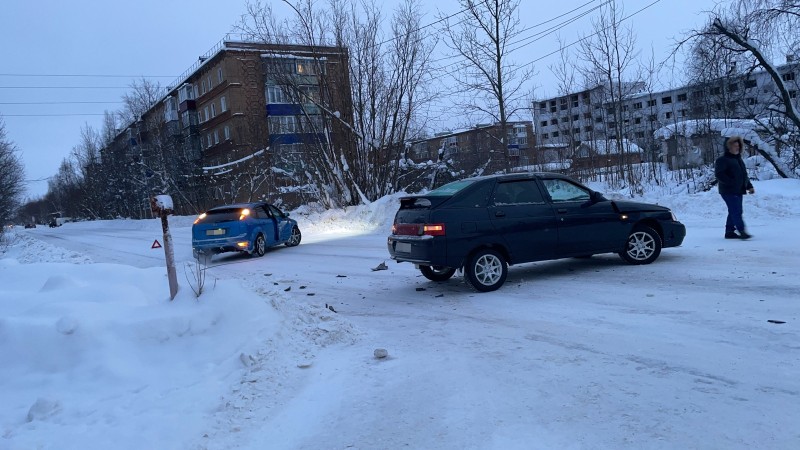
{"points": [[734, 220]]}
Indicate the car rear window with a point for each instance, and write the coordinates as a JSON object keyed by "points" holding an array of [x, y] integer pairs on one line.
{"points": [[221, 215], [451, 188]]}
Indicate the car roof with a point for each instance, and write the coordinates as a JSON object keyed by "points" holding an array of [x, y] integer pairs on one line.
{"points": [[238, 206], [520, 175]]}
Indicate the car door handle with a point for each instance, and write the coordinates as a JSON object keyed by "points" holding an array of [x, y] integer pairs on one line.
{"points": [[562, 210], [499, 214]]}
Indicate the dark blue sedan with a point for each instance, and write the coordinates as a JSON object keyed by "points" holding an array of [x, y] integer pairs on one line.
{"points": [[243, 227]]}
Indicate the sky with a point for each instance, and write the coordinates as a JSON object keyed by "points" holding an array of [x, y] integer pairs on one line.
{"points": [[117, 44], [696, 350]]}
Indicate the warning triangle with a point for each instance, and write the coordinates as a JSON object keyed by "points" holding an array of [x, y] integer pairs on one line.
{"points": [[155, 244]]}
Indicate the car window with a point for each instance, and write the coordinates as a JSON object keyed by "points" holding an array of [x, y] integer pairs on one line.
{"points": [[564, 191], [517, 192], [451, 188], [277, 213], [475, 198]]}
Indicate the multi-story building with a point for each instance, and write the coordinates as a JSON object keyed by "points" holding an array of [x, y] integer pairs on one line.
{"points": [[589, 116], [236, 120], [479, 149]]}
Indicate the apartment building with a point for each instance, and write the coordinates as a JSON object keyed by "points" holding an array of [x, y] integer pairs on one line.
{"points": [[581, 118], [241, 110], [479, 147]]}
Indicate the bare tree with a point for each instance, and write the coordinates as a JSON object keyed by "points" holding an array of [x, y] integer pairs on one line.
{"points": [[757, 30], [12, 178], [143, 95], [610, 53], [486, 72]]}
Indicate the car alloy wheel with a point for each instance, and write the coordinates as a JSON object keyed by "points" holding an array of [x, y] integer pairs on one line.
{"points": [[260, 245], [486, 270], [437, 273], [294, 239], [643, 246]]}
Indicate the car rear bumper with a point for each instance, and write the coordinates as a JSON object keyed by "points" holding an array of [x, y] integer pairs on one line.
{"points": [[219, 245], [423, 250], [674, 233]]}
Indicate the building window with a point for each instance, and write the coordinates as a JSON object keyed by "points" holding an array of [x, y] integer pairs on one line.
{"points": [[668, 115], [282, 125], [598, 119], [751, 101], [682, 97], [587, 115], [587, 129], [522, 140], [788, 76], [205, 114], [612, 125], [651, 102], [555, 133], [543, 123], [223, 104], [637, 120], [666, 100], [208, 141], [640, 134], [219, 75], [553, 121], [227, 133], [552, 109], [213, 110], [202, 87], [652, 117], [715, 90], [216, 137], [574, 101], [576, 117], [637, 105], [576, 130], [733, 87], [542, 105], [276, 94], [792, 94], [749, 84], [682, 113], [545, 136]]}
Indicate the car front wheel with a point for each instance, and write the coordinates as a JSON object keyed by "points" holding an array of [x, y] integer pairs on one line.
{"points": [[294, 239], [643, 246], [260, 245], [486, 270], [437, 273]]}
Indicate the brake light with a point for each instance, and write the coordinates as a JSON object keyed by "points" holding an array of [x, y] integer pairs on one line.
{"points": [[433, 229], [200, 217], [245, 212]]}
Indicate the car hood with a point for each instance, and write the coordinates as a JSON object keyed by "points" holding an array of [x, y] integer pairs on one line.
{"points": [[627, 206]]}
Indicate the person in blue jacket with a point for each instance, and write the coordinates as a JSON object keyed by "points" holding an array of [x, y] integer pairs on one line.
{"points": [[733, 184]]}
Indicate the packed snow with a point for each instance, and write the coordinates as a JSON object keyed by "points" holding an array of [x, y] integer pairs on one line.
{"points": [[697, 350]]}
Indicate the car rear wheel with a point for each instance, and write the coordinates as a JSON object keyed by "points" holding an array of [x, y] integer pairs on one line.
{"points": [[437, 273], [260, 245], [643, 246], [294, 239], [486, 270]]}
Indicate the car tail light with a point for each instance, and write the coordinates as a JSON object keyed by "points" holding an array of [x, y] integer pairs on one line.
{"points": [[245, 212], [418, 229], [433, 229], [200, 217]]}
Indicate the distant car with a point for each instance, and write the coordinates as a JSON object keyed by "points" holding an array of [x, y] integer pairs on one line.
{"points": [[53, 223], [485, 224], [243, 227], [30, 225]]}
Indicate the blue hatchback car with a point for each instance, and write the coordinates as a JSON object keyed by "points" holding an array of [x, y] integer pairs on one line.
{"points": [[243, 227]]}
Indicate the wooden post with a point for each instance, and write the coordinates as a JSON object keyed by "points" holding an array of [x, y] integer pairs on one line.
{"points": [[161, 205]]}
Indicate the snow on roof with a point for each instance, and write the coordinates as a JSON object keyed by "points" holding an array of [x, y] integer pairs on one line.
{"points": [[701, 126], [610, 146]]}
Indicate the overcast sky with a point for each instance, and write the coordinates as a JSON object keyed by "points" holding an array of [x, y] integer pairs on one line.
{"points": [[109, 44]]}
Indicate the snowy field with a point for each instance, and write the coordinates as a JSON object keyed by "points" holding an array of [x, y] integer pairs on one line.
{"points": [[700, 349]]}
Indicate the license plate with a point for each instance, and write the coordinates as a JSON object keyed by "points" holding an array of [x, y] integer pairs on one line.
{"points": [[217, 232], [402, 247]]}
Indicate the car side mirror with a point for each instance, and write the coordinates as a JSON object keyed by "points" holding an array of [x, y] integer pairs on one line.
{"points": [[597, 197]]}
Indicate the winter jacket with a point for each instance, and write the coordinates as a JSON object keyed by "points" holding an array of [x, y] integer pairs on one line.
{"points": [[732, 174]]}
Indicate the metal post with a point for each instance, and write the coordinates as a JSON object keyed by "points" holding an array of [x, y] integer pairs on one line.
{"points": [[162, 206]]}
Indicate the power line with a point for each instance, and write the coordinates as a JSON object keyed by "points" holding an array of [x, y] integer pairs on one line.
{"points": [[75, 75], [59, 103], [64, 87], [48, 115]]}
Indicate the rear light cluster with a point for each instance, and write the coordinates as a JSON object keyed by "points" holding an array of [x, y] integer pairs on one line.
{"points": [[418, 229]]}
